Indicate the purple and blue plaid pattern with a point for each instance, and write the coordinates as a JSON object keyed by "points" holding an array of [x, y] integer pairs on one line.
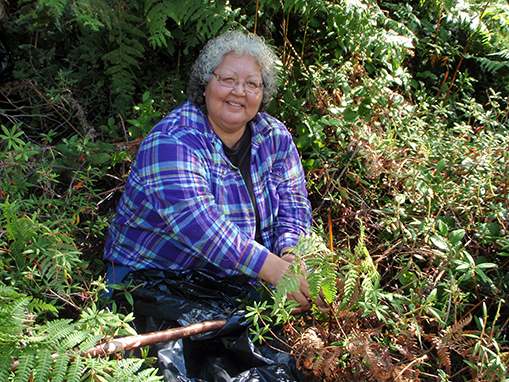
{"points": [[186, 206]]}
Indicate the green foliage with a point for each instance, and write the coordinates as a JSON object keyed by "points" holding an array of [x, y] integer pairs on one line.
{"points": [[40, 259], [142, 125], [54, 350], [343, 87], [399, 110], [121, 42]]}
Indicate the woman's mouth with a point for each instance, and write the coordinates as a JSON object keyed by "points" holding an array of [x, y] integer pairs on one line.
{"points": [[234, 104]]}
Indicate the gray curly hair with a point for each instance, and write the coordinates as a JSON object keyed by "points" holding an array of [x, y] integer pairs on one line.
{"points": [[212, 55]]}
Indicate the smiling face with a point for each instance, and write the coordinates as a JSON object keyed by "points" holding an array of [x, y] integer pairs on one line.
{"points": [[229, 109]]}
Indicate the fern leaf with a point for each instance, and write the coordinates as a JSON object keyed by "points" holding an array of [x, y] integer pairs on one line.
{"points": [[25, 367], [90, 342], [148, 375], [20, 230], [60, 367], [329, 284], [55, 330], [443, 353], [156, 16], [75, 369], [5, 366], [18, 315], [126, 368], [289, 283], [490, 65], [504, 54], [39, 306], [351, 279], [42, 366], [74, 339], [314, 280]]}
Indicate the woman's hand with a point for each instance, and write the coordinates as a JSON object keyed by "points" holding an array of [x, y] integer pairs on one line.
{"points": [[272, 271]]}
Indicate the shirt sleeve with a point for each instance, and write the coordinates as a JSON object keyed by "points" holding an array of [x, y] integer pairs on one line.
{"points": [[174, 178], [294, 216]]}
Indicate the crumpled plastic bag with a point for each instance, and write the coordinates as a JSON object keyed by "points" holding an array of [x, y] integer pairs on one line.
{"points": [[167, 299]]}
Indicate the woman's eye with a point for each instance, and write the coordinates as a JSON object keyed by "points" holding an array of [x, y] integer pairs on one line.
{"points": [[230, 80]]}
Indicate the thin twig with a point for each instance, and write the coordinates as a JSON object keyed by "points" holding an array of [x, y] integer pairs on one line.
{"points": [[463, 56], [417, 360], [54, 108]]}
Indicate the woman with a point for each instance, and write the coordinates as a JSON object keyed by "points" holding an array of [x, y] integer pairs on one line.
{"points": [[218, 184]]}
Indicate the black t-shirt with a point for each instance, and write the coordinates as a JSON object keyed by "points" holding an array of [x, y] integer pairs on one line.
{"points": [[240, 156]]}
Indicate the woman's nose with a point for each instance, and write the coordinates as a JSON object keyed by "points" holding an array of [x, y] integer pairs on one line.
{"points": [[240, 89]]}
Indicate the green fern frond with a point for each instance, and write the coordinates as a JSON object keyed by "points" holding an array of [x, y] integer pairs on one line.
{"points": [[74, 339], [8, 291], [329, 283], [350, 286], [148, 375], [319, 263], [90, 342], [289, 283], [5, 366], [60, 367], [25, 367], [57, 329], [493, 66], [43, 366], [17, 228], [14, 315], [128, 368], [360, 248], [20, 230], [122, 60], [314, 280], [297, 6], [210, 26], [119, 370], [56, 8], [157, 13], [187, 12], [75, 369], [504, 54]]}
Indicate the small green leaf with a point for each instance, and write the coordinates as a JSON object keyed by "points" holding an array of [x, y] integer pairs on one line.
{"points": [[442, 227], [441, 165], [486, 265], [440, 242], [99, 158], [350, 115], [456, 236], [129, 298]]}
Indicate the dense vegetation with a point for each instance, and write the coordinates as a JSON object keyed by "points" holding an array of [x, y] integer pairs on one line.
{"points": [[399, 109]]}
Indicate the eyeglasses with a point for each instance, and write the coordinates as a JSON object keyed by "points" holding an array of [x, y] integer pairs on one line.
{"points": [[231, 81]]}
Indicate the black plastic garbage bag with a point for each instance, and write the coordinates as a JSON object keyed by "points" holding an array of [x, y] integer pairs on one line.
{"points": [[165, 299]]}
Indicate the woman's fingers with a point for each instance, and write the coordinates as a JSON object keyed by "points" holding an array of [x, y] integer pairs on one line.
{"points": [[273, 270], [303, 297]]}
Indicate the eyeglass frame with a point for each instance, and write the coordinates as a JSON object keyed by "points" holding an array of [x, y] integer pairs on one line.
{"points": [[218, 78]]}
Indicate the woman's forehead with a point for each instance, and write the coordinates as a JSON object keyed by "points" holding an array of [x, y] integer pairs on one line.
{"points": [[244, 63]]}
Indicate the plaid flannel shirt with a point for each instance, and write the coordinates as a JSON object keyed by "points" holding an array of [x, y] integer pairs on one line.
{"points": [[185, 206]]}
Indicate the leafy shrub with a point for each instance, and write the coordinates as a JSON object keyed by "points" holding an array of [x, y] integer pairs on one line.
{"points": [[372, 333], [399, 110], [55, 350]]}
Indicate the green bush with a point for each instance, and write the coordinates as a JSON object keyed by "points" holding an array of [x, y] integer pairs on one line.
{"points": [[399, 110]]}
